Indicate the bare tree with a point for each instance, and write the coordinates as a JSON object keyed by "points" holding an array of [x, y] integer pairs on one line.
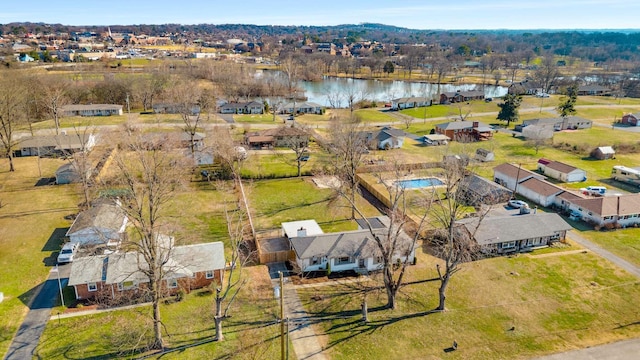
{"points": [[190, 102], [394, 245], [149, 88], [81, 160], [454, 246], [53, 96], [349, 145], [13, 103], [537, 135], [149, 173], [547, 74], [230, 286], [297, 140]]}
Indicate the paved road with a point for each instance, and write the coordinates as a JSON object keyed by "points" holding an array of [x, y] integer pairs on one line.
{"points": [[631, 268], [27, 338], [303, 338], [622, 350]]}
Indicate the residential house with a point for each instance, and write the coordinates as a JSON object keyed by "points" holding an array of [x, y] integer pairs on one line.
{"points": [[461, 96], [119, 275], [56, 145], [104, 223], [410, 102], [484, 155], [631, 119], [436, 139], [475, 190], [539, 191], [508, 175], [348, 251], [561, 171], [300, 228], [603, 153], [620, 210], [515, 233], [252, 107], [284, 136], [166, 108], [465, 131], [92, 110], [385, 138], [559, 123], [302, 107], [597, 90], [525, 87], [563, 201]]}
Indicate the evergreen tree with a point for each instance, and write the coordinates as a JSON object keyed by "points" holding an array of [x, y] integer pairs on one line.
{"points": [[509, 108], [568, 102]]}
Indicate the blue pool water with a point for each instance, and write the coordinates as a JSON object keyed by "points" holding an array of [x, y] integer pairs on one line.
{"points": [[419, 183]]}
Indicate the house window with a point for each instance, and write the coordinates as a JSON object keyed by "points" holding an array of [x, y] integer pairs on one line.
{"points": [[172, 283], [126, 285], [315, 260], [209, 274], [378, 260], [590, 213], [509, 245], [580, 209], [92, 286], [343, 260]]}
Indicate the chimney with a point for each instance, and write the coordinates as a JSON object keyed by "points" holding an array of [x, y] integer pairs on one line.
{"points": [[302, 232], [475, 124]]}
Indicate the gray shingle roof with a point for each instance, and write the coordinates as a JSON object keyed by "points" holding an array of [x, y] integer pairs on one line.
{"points": [[498, 229], [359, 243], [104, 216]]}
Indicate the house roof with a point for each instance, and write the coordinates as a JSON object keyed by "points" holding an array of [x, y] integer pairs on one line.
{"points": [[104, 216], [59, 142], [411, 99], [437, 137], [541, 187], [569, 196], [88, 269], [514, 171], [115, 268], [311, 226], [66, 168], [498, 229], [606, 150], [459, 125], [558, 166], [284, 131], [260, 139], [358, 243], [611, 205], [91, 107], [303, 104], [603, 206]]}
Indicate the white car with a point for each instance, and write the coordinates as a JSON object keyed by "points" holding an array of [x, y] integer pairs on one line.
{"points": [[517, 204], [67, 253]]}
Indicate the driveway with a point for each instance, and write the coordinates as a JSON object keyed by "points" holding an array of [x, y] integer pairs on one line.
{"points": [[24, 343], [227, 117]]}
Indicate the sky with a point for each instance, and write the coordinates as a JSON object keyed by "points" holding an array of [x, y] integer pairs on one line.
{"points": [[426, 14]]}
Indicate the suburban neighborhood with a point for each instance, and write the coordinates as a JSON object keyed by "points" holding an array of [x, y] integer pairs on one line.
{"points": [[318, 192]]}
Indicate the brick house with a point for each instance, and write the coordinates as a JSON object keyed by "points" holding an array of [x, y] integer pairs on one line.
{"points": [[114, 276]]}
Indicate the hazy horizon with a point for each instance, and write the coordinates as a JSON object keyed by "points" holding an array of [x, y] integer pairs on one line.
{"points": [[412, 14]]}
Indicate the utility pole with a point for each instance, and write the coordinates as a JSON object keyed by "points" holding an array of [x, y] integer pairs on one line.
{"points": [[282, 352]]}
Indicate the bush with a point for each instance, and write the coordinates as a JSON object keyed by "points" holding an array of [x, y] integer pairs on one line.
{"points": [[180, 295]]}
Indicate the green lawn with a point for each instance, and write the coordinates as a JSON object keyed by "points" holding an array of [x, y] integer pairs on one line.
{"points": [[277, 201], [432, 111], [374, 116], [32, 225], [256, 119], [250, 333], [502, 308], [622, 242]]}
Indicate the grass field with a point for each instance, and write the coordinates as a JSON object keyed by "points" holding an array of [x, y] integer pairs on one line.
{"points": [[277, 201], [32, 225], [373, 116], [256, 118], [250, 333], [622, 242], [502, 308]]}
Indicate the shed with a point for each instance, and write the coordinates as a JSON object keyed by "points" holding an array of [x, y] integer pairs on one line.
{"points": [[603, 153], [561, 171], [67, 174], [484, 155]]}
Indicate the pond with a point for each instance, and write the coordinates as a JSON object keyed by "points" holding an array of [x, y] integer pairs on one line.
{"points": [[379, 90]]}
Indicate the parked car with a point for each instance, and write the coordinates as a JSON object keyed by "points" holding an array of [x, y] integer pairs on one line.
{"points": [[517, 204], [594, 190], [67, 253], [542, 95]]}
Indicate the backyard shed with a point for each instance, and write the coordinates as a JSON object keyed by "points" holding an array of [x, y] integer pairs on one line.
{"points": [[603, 153]]}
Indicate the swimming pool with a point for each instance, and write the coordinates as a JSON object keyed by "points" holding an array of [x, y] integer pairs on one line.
{"points": [[419, 183]]}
